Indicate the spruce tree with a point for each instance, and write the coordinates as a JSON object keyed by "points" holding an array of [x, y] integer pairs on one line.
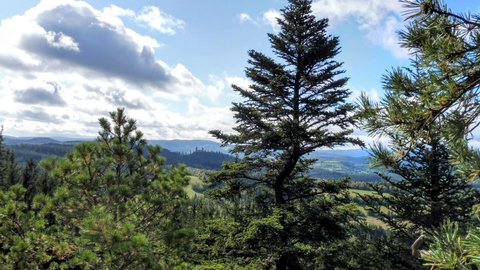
{"points": [[295, 105], [425, 190]]}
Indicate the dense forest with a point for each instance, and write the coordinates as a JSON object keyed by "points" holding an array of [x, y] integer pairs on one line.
{"points": [[117, 203], [330, 164], [199, 158]]}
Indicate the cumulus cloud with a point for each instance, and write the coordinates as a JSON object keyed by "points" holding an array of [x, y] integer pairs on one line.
{"points": [[39, 115], [160, 21], [73, 36], [120, 97], [64, 64], [61, 41], [188, 83], [48, 94], [81, 40], [368, 13], [379, 19], [387, 37]]}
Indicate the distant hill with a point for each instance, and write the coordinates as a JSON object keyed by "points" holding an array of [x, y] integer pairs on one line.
{"points": [[198, 159], [10, 140], [204, 154], [181, 146], [189, 146], [37, 151], [31, 149], [348, 153], [28, 140], [41, 140]]}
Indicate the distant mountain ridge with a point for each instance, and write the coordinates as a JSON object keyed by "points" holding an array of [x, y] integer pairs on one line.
{"points": [[183, 146], [204, 154], [10, 140], [189, 146]]}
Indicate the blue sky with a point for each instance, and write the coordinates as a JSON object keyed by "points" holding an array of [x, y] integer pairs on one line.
{"points": [[65, 63]]}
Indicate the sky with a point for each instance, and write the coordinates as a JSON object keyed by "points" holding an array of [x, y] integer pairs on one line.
{"points": [[169, 63]]}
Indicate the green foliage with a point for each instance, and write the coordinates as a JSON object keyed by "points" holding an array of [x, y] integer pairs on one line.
{"points": [[113, 206], [198, 159], [8, 167], [429, 190], [427, 112], [442, 84], [368, 248], [25, 238], [449, 249], [439, 92], [296, 104], [37, 152]]}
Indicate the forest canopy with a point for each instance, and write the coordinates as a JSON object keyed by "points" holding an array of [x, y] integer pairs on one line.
{"points": [[116, 203]]}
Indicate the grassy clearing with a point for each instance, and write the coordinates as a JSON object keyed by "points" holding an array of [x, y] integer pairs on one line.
{"points": [[370, 219], [194, 180], [376, 222], [357, 192]]}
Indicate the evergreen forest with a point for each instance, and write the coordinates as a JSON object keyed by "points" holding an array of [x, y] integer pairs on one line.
{"points": [[122, 202]]}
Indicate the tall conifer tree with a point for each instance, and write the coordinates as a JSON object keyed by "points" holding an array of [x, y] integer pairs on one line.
{"points": [[296, 104]]}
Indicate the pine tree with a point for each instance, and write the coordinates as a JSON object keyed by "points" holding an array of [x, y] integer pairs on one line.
{"points": [[441, 85], [445, 46], [296, 104], [437, 92], [8, 166], [114, 205]]}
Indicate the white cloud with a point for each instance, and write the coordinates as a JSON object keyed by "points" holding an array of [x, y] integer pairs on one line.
{"points": [[216, 88], [368, 13], [241, 82], [116, 11], [57, 78], [52, 38], [387, 37], [188, 84], [373, 94], [159, 20], [270, 17], [245, 17], [379, 19], [61, 41]]}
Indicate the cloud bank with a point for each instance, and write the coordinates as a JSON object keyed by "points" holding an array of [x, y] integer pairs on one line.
{"points": [[64, 64]]}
